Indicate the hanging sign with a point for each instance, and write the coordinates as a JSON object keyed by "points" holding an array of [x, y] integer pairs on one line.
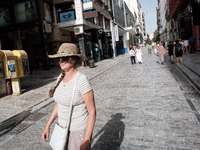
{"points": [[197, 36], [116, 33], [87, 5], [100, 31]]}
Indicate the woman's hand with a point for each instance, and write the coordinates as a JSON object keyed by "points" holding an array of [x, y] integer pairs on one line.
{"points": [[45, 134], [85, 145]]}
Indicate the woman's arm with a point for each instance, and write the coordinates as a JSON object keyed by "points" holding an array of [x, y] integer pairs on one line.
{"points": [[45, 132], [89, 101]]}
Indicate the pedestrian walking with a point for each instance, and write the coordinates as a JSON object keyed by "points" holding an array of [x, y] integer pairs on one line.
{"points": [[185, 45], [178, 50], [132, 55], [72, 83], [170, 48], [149, 48], [154, 47], [139, 54], [182, 44], [166, 44], [153, 43], [161, 52], [192, 41]]}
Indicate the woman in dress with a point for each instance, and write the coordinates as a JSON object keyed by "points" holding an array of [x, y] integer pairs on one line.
{"points": [[138, 51], [161, 53]]}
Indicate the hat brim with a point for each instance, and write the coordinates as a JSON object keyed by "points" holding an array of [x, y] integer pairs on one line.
{"points": [[82, 57]]}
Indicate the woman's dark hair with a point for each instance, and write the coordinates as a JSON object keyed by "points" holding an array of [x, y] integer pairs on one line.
{"points": [[51, 91]]}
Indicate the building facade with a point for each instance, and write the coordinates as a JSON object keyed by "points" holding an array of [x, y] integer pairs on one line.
{"points": [[139, 19], [179, 20], [100, 28]]}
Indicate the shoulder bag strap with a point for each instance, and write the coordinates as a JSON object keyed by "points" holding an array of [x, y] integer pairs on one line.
{"points": [[71, 103]]}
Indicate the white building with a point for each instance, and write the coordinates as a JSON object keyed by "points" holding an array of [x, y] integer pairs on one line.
{"points": [[135, 8], [164, 25]]}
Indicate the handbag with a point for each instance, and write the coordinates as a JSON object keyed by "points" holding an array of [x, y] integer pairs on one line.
{"points": [[59, 135]]}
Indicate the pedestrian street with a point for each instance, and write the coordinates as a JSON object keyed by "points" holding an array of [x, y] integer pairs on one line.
{"points": [[138, 106]]}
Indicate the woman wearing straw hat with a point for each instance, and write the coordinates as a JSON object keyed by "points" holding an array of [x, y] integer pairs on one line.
{"points": [[83, 111]]}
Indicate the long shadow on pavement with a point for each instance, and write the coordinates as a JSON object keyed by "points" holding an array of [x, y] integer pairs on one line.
{"points": [[112, 134]]}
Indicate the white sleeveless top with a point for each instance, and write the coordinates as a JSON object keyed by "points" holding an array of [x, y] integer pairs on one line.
{"points": [[62, 96]]}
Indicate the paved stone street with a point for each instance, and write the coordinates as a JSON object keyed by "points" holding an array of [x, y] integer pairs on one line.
{"points": [[138, 107]]}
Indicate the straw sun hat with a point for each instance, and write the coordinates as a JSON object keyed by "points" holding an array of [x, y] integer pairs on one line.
{"points": [[68, 49]]}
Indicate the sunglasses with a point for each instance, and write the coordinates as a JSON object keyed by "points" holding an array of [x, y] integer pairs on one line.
{"points": [[62, 58]]}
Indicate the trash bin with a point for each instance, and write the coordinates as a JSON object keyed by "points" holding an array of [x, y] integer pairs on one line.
{"points": [[91, 63]]}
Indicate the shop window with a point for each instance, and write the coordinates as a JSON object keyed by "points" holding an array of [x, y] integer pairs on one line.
{"points": [[25, 11], [100, 20], [4, 17], [47, 12], [91, 20], [107, 23]]}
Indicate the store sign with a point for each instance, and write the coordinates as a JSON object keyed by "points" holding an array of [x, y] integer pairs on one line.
{"points": [[116, 30], [90, 14], [127, 36], [87, 5], [197, 36], [79, 10], [100, 31]]}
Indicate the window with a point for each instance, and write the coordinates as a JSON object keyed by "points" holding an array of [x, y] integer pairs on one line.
{"points": [[25, 11], [4, 17]]}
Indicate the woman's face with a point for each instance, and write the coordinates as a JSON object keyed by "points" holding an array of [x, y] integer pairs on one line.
{"points": [[66, 65]]}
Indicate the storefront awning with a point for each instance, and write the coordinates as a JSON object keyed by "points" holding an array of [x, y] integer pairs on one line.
{"points": [[131, 30], [174, 7]]}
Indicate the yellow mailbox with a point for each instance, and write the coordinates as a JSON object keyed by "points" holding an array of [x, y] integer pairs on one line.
{"points": [[8, 64], [22, 63]]}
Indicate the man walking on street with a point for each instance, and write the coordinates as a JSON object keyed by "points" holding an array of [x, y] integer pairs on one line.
{"points": [[178, 51], [132, 55], [170, 48], [192, 41]]}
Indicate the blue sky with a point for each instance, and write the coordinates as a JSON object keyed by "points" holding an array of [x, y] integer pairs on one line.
{"points": [[149, 9]]}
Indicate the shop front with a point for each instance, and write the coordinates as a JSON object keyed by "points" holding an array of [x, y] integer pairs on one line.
{"points": [[22, 27]]}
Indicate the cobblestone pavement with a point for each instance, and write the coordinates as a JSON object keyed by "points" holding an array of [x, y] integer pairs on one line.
{"points": [[138, 107]]}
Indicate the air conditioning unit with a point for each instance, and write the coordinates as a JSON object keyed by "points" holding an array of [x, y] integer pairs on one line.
{"points": [[78, 30]]}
